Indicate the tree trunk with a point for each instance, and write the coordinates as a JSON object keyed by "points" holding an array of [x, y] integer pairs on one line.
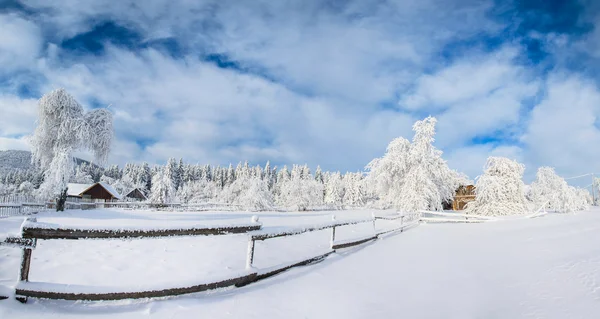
{"points": [[60, 201]]}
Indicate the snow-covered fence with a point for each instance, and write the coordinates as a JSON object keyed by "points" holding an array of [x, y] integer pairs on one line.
{"points": [[31, 231], [334, 244], [441, 217], [7, 210]]}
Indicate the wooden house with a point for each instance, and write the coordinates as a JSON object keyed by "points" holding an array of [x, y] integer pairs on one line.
{"points": [[135, 194], [464, 194], [97, 192]]}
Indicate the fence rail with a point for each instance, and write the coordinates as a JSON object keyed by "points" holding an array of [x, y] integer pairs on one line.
{"points": [[48, 231]]}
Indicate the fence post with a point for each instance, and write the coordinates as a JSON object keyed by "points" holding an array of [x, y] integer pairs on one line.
{"points": [[373, 216], [332, 231], [250, 252], [25, 263], [402, 219]]}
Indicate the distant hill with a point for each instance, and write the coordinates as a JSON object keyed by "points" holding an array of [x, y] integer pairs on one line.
{"points": [[20, 160], [13, 159]]}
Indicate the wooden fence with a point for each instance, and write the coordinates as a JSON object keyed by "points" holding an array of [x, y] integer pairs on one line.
{"points": [[32, 231], [7, 210]]}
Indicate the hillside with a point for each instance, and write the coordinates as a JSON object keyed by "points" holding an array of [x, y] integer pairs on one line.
{"points": [[11, 160]]}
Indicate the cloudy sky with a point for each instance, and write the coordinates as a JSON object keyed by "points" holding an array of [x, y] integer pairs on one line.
{"points": [[316, 82]]}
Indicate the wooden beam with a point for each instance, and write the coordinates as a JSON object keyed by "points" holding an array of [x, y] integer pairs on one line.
{"points": [[243, 280], [67, 233], [353, 243], [301, 263]]}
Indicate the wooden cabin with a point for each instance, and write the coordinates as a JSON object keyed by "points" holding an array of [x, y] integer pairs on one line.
{"points": [[97, 192], [135, 194], [464, 194]]}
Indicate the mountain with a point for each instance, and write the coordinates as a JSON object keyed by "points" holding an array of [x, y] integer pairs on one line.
{"points": [[21, 160], [13, 159]]}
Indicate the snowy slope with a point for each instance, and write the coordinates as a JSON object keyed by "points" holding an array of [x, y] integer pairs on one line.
{"points": [[20, 160], [540, 268]]}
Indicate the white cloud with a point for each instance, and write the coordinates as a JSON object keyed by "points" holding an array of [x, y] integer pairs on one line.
{"points": [[7, 143], [20, 42], [563, 129], [319, 77], [18, 115], [471, 159]]}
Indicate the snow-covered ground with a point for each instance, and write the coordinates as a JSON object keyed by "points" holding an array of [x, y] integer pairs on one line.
{"points": [[546, 267]]}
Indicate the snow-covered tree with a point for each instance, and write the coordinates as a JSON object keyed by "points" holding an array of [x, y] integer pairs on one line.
{"points": [[300, 191], [552, 190], [63, 128], [162, 191], [354, 191], [250, 192], [172, 171], [81, 177], [26, 188], [200, 191], [499, 191], [319, 174], [334, 191], [413, 176]]}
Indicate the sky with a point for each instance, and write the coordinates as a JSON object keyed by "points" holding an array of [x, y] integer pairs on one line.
{"points": [[326, 83]]}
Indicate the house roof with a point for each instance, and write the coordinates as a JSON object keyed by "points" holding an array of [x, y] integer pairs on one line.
{"points": [[78, 189], [110, 189]]}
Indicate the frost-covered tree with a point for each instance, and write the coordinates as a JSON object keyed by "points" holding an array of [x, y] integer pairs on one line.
{"points": [[162, 191], [172, 171], [63, 128], [200, 191], [334, 191], [499, 191], [82, 177], [230, 176], [250, 192], [319, 174], [26, 188], [552, 190], [413, 176], [300, 191], [354, 191]]}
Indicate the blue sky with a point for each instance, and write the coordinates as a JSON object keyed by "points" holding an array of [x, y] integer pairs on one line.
{"points": [[316, 82]]}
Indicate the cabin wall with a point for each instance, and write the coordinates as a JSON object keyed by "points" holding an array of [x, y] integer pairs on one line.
{"points": [[98, 192]]}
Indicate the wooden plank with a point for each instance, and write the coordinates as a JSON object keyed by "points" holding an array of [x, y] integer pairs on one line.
{"points": [[66, 233], [298, 264], [238, 281], [353, 243]]}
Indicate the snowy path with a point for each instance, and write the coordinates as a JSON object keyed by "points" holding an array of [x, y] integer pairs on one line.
{"points": [[540, 268]]}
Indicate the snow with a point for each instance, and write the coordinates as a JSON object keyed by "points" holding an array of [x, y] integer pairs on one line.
{"points": [[545, 267], [76, 189]]}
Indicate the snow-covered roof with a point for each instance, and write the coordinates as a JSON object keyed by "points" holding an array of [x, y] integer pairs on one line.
{"points": [[111, 190], [77, 189]]}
